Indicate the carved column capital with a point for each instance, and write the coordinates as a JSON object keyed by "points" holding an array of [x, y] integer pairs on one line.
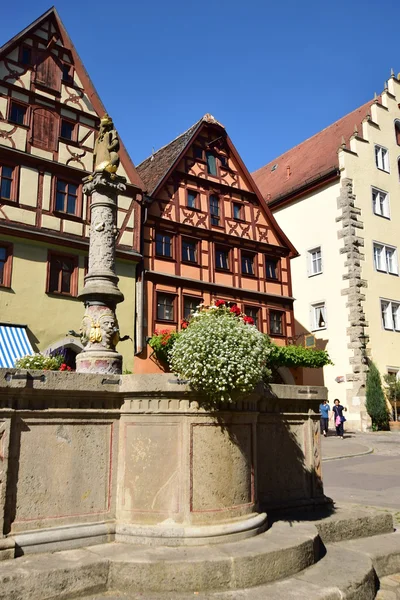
{"points": [[104, 183]]}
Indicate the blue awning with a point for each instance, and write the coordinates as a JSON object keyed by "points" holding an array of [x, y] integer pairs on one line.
{"points": [[14, 344]]}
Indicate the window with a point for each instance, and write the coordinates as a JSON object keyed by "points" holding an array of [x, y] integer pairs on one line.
{"points": [[397, 131], [272, 268], [66, 74], [223, 161], [314, 261], [222, 259], [189, 250], [5, 265], [63, 272], [214, 209], [164, 245], [44, 129], [247, 264], [191, 199], [237, 211], [252, 312], [385, 259], [17, 113], [190, 306], [198, 152], [211, 164], [6, 182], [275, 322], [382, 158], [48, 70], [318, 316], [66, 197], [26, 55], [67, 130], [165, 307], [380, 203], [390, 312]]}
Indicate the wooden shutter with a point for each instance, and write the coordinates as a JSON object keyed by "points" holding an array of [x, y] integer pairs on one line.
{"points": [[44, 129], [48, 71]]}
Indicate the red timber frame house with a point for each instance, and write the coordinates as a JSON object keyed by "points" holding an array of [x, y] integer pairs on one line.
{"points": [[208, 234]]}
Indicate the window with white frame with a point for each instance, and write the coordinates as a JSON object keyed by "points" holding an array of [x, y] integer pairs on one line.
{"points": [[385, 259], [382, 158], [318, 316], [390, 312], [314, 261], [380, 203]]}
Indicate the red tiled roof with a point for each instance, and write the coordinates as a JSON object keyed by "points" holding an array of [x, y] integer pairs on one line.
{"points": [[309, 160]]}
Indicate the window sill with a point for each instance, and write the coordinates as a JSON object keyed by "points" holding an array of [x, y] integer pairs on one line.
{"points": [[68, 141], [218, 226], [273, 280], [18, 124], [8, 201], [191, 263], [64, 215], [162, 257], [383, 170], [249, 275], [221, 270], [382, 216], [315, 274], [278, 335], [319, 329], [239, 220], [166, 321], [5, 286], [63, 295], [194, 208]]}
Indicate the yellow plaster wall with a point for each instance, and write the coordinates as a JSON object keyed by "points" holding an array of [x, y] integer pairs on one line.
{"points": [[310, 223], [384, 345], [49, 317]]}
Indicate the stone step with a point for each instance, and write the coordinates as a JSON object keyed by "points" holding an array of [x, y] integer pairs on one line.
{"points": [[340, 574], [280, 552]]}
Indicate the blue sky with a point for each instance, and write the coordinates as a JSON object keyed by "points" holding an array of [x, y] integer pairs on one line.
{"points": [[274, 73]]}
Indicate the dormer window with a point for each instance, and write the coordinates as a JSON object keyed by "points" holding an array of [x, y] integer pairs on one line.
{"points": [[66, 74], [26, 55], [198, 152], [223, 161]]}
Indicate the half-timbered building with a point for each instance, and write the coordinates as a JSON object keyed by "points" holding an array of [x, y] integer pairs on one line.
{"points": [[49, 116], [208, 234]]}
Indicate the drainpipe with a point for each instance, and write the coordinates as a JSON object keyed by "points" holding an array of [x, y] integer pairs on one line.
{"points": [[139, 321]]}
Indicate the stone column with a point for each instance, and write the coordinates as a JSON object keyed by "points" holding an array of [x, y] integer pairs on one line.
{"points": [[99, 329]]}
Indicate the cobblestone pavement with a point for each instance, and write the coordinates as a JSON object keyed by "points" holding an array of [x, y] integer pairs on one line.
{"points": [[389, 588]]}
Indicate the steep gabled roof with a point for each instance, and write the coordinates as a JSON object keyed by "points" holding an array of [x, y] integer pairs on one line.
{"points": [[155, 169], [83, 76], [313, 158]]}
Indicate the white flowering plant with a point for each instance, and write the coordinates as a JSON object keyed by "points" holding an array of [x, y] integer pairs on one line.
{"points": [[42, 362], [221, 352]]}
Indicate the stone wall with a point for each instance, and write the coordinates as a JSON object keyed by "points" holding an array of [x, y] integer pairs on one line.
{"points": [[86, 459]]}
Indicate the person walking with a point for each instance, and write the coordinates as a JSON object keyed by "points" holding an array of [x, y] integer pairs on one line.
{"points": [[339, 418], [324, 409]]}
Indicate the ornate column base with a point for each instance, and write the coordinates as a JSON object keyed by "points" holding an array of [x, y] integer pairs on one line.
{"points": [[99, 361]]}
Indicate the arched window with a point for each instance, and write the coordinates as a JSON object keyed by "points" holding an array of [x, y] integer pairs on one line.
{"points": [[397, 131]]}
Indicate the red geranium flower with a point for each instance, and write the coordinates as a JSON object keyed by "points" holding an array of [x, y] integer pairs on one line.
{"points": [[184, 324], [236, 310], [219, 303], [248, 320]]}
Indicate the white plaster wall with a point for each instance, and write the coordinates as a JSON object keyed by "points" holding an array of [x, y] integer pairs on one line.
{"points": [[309, 223]]}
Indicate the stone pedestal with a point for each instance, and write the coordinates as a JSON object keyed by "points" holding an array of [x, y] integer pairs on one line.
{"points": [[99, 329]]}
